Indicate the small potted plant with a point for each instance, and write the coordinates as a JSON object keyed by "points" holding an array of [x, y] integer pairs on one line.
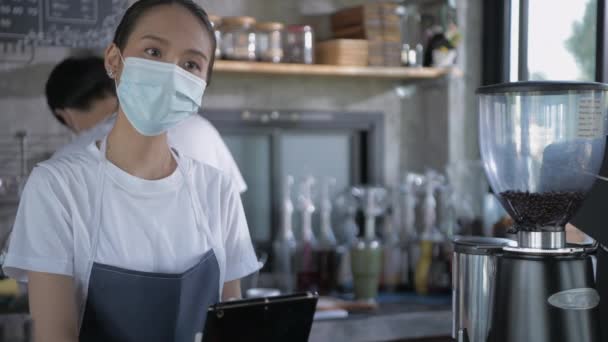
{"points": [[443, 47]]}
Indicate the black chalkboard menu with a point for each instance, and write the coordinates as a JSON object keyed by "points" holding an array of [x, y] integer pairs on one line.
{"points": [[71, 23]]}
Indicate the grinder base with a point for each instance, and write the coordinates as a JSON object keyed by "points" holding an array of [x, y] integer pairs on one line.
{"points": [[545, 298]]}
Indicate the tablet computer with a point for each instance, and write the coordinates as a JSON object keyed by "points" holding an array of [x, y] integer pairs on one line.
{"points": [[270, 319]]}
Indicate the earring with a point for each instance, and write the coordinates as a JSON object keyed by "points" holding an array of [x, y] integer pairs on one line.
{"points": [[111, 73]]}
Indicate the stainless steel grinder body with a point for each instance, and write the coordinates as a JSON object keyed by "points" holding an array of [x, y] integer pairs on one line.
{"points": [[473, 284]]}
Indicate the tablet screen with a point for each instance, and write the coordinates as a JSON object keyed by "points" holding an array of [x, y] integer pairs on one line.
{"points": [[281, 318]]}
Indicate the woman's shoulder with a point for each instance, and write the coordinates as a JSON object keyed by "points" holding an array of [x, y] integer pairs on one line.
{"points": [[85, 138], [196, 137], [207, 176], [58, 181], [80, 161], [73, 154]]}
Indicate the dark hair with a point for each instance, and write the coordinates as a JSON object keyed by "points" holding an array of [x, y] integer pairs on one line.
{"points": [[76, 82], [132, 15]]}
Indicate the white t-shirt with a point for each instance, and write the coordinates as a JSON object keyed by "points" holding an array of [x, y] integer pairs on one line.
{"points": [[195, 137], [145, 225]]}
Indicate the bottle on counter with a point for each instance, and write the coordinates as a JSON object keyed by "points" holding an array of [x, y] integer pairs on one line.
{"points": [[409, 238], [366, 255], [441, 272], [327, 254], [432, 270], [446, 217], [284, 247], [391, 261], [307, 271], [423, 266], [347, 205], [441, 268]]}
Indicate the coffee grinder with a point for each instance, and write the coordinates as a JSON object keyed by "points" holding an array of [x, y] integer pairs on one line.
{"points": [[542, 146]]}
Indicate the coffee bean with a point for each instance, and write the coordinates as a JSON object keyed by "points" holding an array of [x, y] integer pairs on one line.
{"points": [[541, 211]]}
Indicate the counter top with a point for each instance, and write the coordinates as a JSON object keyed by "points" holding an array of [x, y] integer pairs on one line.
{"points": [[393, 321], [399, 317]]}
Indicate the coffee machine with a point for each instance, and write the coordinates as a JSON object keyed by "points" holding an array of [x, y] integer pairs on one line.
{"points": [[542, 146]]}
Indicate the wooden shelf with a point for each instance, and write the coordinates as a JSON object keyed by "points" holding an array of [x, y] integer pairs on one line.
{"points": [[331, 70]]}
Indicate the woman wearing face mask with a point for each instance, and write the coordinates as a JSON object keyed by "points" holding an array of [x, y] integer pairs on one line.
{"points": [[126, 239]]}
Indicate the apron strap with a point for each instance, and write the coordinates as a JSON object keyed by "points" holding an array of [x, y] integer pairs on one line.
{"points": [[199, 216], [202, 221], [96, 221]]}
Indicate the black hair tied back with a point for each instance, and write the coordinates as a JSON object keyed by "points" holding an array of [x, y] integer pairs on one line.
{"points": [[132, 15]]}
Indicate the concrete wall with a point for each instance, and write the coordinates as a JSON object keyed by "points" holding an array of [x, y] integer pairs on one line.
{"points": [[433, 124]]}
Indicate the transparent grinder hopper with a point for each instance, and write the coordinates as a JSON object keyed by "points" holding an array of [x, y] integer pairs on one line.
{"points": [[542, 146]]}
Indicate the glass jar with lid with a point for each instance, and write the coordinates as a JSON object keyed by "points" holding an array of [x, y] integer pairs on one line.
{"points": [[238, 38], [269, 40], [217, 23], [300, 44]]}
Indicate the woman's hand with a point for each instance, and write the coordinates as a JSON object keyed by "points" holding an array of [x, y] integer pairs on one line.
{"points": [[232, 290], [53, 307]]}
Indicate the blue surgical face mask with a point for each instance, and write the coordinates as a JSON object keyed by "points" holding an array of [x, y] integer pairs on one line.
{"points": [[156, 96]]}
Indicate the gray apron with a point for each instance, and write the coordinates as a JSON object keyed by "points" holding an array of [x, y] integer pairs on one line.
{"points": [[131, 306]]}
